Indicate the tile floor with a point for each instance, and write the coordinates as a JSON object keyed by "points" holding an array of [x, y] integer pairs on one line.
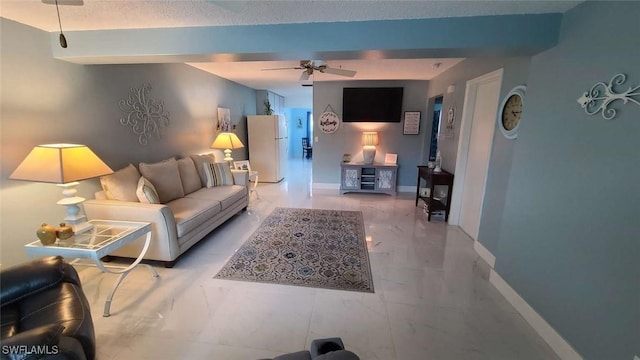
{"points": [[432, 297]]}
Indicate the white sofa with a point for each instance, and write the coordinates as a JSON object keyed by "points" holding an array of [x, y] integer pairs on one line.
{"points": [[189, 207]]}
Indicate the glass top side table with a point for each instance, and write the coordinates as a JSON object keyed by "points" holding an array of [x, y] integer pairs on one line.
{"points": [[105, 237]]}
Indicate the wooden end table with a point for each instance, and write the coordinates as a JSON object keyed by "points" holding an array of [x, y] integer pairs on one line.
{"points": [[105, 237]]}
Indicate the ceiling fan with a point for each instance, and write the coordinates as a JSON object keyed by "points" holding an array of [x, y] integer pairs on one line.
{"points": [[309, 66]]}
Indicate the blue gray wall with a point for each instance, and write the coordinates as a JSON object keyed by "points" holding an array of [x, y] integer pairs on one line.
{"points": [[44, 100], [569, 241], [328, 151]]}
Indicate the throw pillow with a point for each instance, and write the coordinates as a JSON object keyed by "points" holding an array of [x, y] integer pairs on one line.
{"points": [[146, 192], [122, 184], [165, 177], [218, 174], [189, 175], [198, 160]]}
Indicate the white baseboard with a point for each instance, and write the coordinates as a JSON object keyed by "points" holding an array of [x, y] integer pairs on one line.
{"points": [[548, 333], [484, 253], [325, 186], [334, 186]]}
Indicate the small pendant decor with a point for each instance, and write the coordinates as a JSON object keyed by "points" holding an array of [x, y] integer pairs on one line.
{"points": [[602, 95], [329, 121], [145, 115]]}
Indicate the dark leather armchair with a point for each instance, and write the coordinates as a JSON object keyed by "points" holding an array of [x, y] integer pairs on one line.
{"points": [[44, 313]]}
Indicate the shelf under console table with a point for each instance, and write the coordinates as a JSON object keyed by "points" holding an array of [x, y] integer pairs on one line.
{"points": [[373, 178], [431, 179]]}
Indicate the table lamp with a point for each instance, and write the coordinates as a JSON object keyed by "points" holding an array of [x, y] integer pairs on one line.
{"points": [[369, 140], [227, 141], [65, 165]]}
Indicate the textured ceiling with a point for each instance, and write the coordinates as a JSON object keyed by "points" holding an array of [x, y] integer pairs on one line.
{"points": [[133, 14], [137, 14]]}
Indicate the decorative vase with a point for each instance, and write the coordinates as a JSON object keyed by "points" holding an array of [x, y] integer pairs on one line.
{"points": [[64, 232], [46, 234]]}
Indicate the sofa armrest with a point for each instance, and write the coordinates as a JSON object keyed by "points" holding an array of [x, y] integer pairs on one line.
{"points": [[240, 177], [32, 277], [164, 237]]}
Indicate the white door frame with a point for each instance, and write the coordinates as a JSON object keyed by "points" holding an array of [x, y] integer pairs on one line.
{"points": [[463, 143]]}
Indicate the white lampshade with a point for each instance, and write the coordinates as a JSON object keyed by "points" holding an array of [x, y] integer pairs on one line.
{"points": [[370, 138], [60, 164], [227, 141]]}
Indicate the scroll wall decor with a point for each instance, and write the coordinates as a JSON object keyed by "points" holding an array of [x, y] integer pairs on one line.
{"points": [[145, 115], [602, 95]]}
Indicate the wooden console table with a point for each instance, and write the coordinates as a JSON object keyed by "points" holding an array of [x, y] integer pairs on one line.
{"points": [[430, 179]]}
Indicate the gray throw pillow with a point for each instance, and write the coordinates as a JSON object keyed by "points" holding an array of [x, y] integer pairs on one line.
{"points": [[165, 177]]}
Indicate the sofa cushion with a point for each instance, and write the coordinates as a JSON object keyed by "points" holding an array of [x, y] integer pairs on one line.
{"points": [[146, 192], [165, 177], [189, 175], [190, 213], [122, 184], [198, 160], [226, 195], [218, 174]]}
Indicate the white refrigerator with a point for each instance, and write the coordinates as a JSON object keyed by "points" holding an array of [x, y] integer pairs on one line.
{"points": [[268, 142]]}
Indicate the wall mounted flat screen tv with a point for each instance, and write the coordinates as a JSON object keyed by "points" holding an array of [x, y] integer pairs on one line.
{"points": [[379, 104]]}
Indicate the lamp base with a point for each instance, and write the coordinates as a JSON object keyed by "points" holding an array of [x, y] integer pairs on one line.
{"points": [[227, 155], [74, 218], [368, 154]]}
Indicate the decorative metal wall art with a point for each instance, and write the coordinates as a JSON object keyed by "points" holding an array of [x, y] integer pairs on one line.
{"points": [[145, 115], [602, 95]]}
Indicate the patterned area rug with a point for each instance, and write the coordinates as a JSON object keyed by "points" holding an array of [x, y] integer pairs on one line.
{"points": [[305, 247]]}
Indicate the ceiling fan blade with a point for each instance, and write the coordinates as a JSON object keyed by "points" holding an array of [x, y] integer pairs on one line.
{"points": [[284, 68], [341, 72], [304, 76], [64, 2]]}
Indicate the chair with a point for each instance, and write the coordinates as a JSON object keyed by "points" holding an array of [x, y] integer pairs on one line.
{"points": [[321, 349], [43, 308], [306, 148]]}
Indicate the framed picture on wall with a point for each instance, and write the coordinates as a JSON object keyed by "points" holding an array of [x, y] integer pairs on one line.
{"points": [[224, 119], [411, 123]]}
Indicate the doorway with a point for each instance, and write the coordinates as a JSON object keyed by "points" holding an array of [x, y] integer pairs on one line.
{"points": [[435, 127], [474, 151]]}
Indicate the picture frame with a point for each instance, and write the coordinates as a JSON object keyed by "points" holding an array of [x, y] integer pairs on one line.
{"points": [[411, 123], [390, 158], [224, 119], [242, 165]]}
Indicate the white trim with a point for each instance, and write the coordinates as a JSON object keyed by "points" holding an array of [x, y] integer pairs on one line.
{"points": [[548, 333], [484, 253], [336, 186], [463, 144]]}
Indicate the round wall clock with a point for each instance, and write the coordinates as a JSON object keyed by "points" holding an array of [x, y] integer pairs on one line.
{"points": [[451, 116], [329, 122], [510, 112]]}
